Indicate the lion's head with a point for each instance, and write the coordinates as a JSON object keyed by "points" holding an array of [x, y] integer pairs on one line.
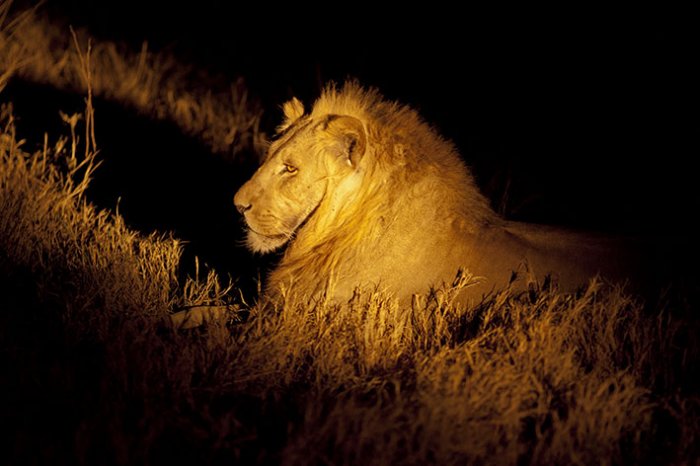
{"points": [[313, 160]]}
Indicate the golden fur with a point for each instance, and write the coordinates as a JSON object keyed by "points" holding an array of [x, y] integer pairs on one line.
{"points": [[364, 193]]}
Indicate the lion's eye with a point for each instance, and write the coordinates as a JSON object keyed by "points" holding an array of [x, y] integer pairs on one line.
{"points": [[290, 168]]}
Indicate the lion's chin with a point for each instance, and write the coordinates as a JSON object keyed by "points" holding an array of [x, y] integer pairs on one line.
{"points": [[262, 243]]}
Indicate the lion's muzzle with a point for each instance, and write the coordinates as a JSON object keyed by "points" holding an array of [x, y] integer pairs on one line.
{"points": [[242, 200]]}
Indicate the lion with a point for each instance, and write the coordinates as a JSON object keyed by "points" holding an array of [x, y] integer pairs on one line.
{"points": [[364, 194]]}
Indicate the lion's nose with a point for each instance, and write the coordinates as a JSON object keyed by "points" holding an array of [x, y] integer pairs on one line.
{"points": [[243, 207], [242, 204]]}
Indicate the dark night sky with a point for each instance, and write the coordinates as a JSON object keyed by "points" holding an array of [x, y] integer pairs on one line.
{"points": [[584, 111]]}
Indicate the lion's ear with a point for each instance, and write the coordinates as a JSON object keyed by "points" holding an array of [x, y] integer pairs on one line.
{"points": [[293, 110], [349, 133]]}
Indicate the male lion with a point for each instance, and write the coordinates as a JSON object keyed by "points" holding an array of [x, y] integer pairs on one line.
{"points": [[364, 193]]}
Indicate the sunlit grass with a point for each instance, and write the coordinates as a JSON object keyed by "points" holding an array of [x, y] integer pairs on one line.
{"points": [[94, 374]]}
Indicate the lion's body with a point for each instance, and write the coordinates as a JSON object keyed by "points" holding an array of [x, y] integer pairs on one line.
{"points": [[376, 198]]}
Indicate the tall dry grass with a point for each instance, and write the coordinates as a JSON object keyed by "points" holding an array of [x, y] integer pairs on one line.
{"points": [[92, 375], [525, 378], [157, 85], [76, 251], [82, 303]]}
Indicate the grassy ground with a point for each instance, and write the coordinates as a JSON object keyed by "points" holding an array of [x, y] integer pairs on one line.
{"points": [[92, 373]]}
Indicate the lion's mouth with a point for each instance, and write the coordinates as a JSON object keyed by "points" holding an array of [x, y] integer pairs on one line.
{"points": [[273, 237], [286, 228], [265, 242]]}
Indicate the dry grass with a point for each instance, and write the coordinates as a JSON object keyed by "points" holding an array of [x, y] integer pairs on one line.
{"points": [[158, 86], [92, 376], [535, 378]]}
